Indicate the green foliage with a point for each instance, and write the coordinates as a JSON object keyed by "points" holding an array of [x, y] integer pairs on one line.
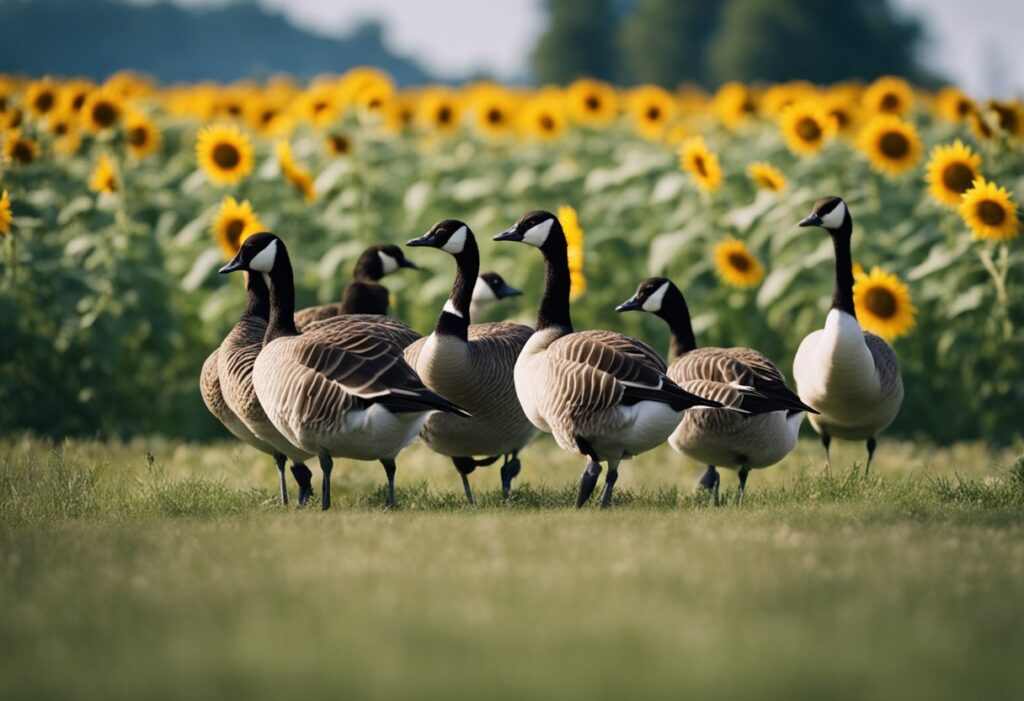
{"points": [[579, 41], [666, 41]]}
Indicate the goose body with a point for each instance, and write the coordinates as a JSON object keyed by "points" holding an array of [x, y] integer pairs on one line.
{"points": [[762, 426], [472, 365], [599, 393], [340, 388], [850, 375], [213, 398]]}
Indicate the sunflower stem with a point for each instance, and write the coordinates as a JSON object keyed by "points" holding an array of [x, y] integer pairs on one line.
{"points": [[998, 275]]}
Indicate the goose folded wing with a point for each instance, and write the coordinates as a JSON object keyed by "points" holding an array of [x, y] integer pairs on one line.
{"points": [[758, 379]]}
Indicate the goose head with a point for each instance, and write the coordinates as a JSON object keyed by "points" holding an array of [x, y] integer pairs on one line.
{"points": [[491, 286], [649, 296], [259, 253], [380, 260], [448, 235], [830, 213], [538, 228]]}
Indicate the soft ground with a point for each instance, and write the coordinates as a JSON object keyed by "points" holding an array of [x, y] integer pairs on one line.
{"points": [[154, 569]]}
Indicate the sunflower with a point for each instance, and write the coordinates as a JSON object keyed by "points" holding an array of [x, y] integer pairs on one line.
{"points": [[778, 98], [41, 97], [543, 117], [5, 212], [102, 110], [294, 173], [736, 265], [104, 177], [889, 95], [841, 102], [574, 240], [19, 149], [63, 126], [591, 102], [953, 105], [882, 302], [980, 126], [143, 134], [696, 159], [989, 212], [235, 221], [734, 104], [320, 105], [892, 145], [766, 176], [269, 115], [652, 109], [494, 110], [73, 95], [806, 126], [439, 109], [11, 118], [224, 153], [1008, 116], [338, 144], [952, 169]]}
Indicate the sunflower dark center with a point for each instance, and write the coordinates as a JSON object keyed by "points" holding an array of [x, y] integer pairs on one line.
{"points": [[740, 261], [104, 114], [234, 109], [495, 116], [339, 143], [319, 106], [890, 102], [267, 116], [138, 136], [880, 302], [60, 128], [841, 116], [226, 155], [77, 101], [546, 122], [44, 101], [653, 113], [992, 213], [700, 166], [1006, 115], [592, 103], [444, 114], [964, 107], [22, 152], [233, 231], [14, 118], [894, 145], [375, 103], [808, 129], [958, 177]]}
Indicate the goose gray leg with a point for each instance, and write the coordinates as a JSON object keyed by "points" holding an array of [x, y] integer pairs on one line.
{"points": [[609, 483], [280, 460], [326, 465], [744, 471], [710, 480], [588, 480], [509, 470], [389, 470], [465, 466], [826, 440], [871, 454], [304, 478]]}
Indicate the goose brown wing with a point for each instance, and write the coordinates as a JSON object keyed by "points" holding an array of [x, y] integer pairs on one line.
{"points": [[501, 342], [311, 315], [886, 363]]}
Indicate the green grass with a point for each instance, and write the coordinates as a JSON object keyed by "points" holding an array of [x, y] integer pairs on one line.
{"points": [[177, 576]]}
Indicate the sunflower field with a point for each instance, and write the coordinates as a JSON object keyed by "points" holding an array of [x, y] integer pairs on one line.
{"points": [[121, 200]]}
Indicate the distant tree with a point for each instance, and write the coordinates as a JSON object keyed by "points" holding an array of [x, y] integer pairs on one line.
{"points": [[820, 41], [579, 41], [665, 41]]}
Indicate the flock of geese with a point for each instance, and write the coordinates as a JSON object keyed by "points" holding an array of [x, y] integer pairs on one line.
{"points": [[346, 380]]}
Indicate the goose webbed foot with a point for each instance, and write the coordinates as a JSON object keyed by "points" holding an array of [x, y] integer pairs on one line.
{"points": [[588, 481], [744, 471], [326, 465], [710, 481], [509, 470], [280, 460], [304, 478], [826, 441], [389, 470], [609, 485], [871, 453]]}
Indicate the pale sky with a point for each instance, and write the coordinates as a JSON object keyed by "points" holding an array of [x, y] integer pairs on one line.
{"points": [[978, 43]]}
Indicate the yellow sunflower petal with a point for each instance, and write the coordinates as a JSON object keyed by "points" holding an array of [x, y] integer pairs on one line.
{"points": [[990, 212], [883, 305], [736, 265], [224, 153]]}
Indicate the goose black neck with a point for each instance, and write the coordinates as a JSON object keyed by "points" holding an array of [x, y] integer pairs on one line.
{"points": [[455, 318], [676, 314], [842, 292], [282, 298], [554, 305], [257, 302]]}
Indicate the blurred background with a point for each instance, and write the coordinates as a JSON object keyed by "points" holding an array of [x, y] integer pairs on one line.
{"points": [[972, 44]]}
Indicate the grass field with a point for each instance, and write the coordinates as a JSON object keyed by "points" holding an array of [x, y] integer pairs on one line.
{"points": [[125, 577]]}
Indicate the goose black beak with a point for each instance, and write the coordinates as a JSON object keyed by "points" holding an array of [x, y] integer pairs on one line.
{"points": [[510, 234], [630, 305], [406, 263], [235, 264], [810, 220], [506, 290], [428, 239]]}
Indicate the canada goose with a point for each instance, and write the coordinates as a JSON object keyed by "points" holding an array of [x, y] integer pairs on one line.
{"points": [[364, 294], [340, 387], [601, 394], [472, 366], [239, 349], [741, 378], [850, 375], [489, 287]]}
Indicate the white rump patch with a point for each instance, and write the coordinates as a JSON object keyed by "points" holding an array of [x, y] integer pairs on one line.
{"points": [[834, 219], [450, 308], [264, 260], [538, 234], [653, 303], [456, 242], [389, 263]]}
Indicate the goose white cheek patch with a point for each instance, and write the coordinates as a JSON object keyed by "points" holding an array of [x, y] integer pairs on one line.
{"points": [[456, 242], [834, 219], [482, 292], [389, 263], [538, 234], [264, 260], [653, 303]]}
